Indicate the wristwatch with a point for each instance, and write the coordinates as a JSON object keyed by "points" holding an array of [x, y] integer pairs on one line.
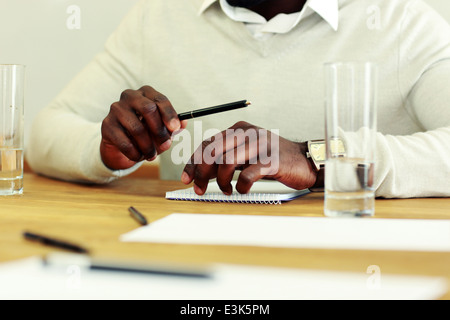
{"points": [[316, 153]]}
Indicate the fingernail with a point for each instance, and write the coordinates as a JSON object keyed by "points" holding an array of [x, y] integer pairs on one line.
{"points": [[166, 145], [174, 125], [229, 190], [198, 190], [185, 178]]}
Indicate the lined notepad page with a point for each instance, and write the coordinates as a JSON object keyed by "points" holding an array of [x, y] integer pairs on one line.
{"points": [[268, 192]]}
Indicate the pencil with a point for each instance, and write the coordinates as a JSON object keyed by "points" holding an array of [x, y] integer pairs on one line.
{"points": [[215, 109], [54, 242], [127, 266], [138, 216]]}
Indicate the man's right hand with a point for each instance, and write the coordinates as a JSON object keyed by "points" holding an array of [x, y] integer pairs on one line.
{"points": [[137, 128]]}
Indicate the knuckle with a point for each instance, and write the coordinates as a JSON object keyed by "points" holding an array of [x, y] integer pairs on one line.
{"points": [[148, 108], [162, 135], [241, 124], [115, 107], [229, 159], [160, 98], [126, 147], [137, 129], [105, 131], [127, 94], [246, 178], [146, 88], [205, 143], [105, 124], [211, 152], [108, 126], [197, 157]]}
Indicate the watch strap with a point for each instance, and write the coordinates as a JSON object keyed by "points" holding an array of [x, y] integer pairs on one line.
{"points": [[319, 167]]}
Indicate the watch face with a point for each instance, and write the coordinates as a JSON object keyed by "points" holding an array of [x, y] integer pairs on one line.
{"points": [[317, 151], [337, 148]]}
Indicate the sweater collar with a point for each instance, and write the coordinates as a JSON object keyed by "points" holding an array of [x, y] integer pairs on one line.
{"points": [[328, 10]]}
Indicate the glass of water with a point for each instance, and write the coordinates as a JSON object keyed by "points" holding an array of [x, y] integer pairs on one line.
{"points": [[11, 129], [350, 132]]}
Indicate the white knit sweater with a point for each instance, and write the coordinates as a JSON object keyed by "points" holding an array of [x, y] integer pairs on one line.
{"points": [[208, 59]]}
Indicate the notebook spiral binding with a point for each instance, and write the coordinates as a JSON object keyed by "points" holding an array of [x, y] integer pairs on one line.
{"points": [[257, 198]]}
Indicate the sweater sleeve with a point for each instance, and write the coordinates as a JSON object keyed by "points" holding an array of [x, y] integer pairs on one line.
{"points": [[418, 165], [65, 135]]}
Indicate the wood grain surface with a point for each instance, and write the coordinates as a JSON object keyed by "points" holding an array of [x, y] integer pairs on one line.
{"points": [[94, 216]]}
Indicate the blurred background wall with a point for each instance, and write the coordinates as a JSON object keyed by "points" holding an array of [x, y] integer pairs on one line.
{"points": [[56, 38]]}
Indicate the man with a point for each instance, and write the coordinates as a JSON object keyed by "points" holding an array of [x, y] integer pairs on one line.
{"points": [[198, 53]]}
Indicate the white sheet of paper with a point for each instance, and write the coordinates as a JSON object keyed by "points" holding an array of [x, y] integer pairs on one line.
{"points": [[29, 279], [297, 232]]}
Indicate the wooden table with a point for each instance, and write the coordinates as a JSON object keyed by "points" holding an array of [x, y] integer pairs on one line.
{"points": [[95, 216]]}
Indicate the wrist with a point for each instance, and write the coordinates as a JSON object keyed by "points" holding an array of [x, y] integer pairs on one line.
{"points": [[319, 185]]}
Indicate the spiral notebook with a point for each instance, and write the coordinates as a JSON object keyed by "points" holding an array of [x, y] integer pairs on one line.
{"points": [[267, 192]]}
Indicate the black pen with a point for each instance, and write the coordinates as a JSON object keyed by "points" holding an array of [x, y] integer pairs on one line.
{"points": [[138, 216], [155, 268], [215, 109], [54, 242]]}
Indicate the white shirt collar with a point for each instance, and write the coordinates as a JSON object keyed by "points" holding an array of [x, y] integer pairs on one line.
{"points": [[327, 9]]}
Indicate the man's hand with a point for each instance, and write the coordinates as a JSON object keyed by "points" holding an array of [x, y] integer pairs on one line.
{"points": [[258, 153], [138, 127]]}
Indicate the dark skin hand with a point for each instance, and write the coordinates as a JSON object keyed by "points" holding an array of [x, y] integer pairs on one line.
{"points": [[231, 150], [138, 127]]}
